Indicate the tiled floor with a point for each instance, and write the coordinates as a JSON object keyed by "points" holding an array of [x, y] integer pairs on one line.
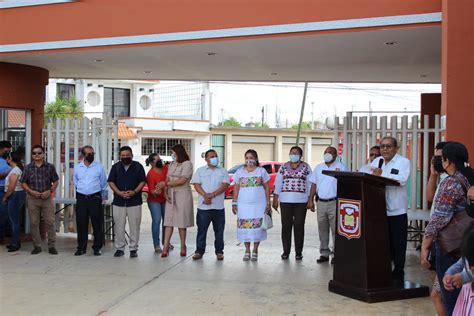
{"points": [[88, 285]]}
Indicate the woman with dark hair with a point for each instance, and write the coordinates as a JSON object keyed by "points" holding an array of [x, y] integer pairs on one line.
{"points": [[14, 197], [179, 198], [291, 191], [251, 201], [450, 200], [156, 199]]}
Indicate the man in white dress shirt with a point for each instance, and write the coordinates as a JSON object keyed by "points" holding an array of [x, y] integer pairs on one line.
{"points": [[374, 152], [395, 167], [326, 188]]}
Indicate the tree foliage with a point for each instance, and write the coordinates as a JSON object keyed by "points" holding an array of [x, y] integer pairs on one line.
{"points": [[232, 122], [306, 125], [63, 108]]}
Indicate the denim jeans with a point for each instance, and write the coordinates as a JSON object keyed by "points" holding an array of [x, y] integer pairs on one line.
{"points": [[443, 262], [3, 214], [157, 211], [14, 205], [203, 220]]}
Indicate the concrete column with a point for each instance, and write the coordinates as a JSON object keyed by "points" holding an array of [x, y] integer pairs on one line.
{"points": [[457, 69], [308, 149], [228, 150], [278, 149]]}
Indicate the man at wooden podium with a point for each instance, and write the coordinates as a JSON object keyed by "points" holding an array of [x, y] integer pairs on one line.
{"points": [[394, 166]]}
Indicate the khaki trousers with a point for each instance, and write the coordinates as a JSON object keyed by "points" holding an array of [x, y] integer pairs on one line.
{"points": [[39, 209], [326, 221], [134, 214]]}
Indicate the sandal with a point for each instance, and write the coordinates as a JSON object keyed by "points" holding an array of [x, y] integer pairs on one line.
{"points": [[254, 256], [246, 256]]}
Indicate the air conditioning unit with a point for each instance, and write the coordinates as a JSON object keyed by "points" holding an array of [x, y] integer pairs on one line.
{"points": [[93, 101]]}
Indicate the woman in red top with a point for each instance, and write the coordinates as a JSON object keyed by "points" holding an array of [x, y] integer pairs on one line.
{"points": [[156, 200]]}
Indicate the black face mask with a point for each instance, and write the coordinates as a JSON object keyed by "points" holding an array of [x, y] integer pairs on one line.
{"points": [[438, 164], [126, 161], [90, 158], [470, 208], [159, 163]]}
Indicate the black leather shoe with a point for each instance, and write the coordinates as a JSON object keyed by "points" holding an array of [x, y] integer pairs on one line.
{"points": [[97, 252], [52, 251], [322, 259], [36, 251], [13, 249], [118, 253], [133, 254], [299, 256], [80, 252], [332, 260], [284, 256]]}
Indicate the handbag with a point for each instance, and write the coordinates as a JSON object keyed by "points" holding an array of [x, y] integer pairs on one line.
{"points": [[450, 237], [267, 222]]}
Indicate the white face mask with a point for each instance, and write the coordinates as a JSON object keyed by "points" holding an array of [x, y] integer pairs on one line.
{"points": [[328, 157]]}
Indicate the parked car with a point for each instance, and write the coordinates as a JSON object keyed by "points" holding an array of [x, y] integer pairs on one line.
{"points": [[271, 167]]}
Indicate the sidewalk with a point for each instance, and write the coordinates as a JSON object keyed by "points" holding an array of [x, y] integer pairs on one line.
{"points": [[88, 285]]}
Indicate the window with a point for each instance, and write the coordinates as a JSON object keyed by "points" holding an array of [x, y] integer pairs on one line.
{"points": [[116, 102], [277, 168], [66, 91], [268, 169], [163, 146]]}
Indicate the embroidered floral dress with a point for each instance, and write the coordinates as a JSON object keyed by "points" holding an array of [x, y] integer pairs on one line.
{"points": [[251, 204]]}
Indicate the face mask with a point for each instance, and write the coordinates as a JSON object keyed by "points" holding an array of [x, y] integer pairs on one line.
{"points": [[159, 163], [438, 164], [294, 158], [250, 162], [173, 157], [126, 161], [328, 157], [90, 158], [214, 161], [470, 208]]}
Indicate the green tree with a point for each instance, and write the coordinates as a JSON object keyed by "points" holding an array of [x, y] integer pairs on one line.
{"points": [[63, 108], [260, 125], [231, 121], [304, 125]]}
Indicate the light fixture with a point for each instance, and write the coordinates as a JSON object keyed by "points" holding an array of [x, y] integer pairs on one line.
{"points": [[141, 89], [89, 84], [211, 54], [423, 76], [98, 60], [391, 43], [101, 86], [147, 72], [274, 74]]}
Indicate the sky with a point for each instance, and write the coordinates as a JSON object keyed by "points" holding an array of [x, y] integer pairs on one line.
{"points": [[244, 100]]}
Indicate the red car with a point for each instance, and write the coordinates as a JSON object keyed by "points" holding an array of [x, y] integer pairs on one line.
{"points": [[271, 167]]}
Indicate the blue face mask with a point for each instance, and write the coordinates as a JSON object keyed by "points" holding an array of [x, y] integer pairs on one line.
{"points": [[295, 158], [173, 156], [214, 161]]}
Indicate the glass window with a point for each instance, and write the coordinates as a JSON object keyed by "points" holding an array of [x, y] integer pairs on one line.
{"points": [[268, 169], [277, 167], [162, 146], [116, 102], [234, 169], [66, 91]]}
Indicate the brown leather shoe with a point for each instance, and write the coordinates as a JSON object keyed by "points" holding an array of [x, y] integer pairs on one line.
{"points": [[197, 256], [220, 256]]}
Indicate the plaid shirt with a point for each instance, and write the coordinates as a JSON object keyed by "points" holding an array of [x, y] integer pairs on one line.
{"points": [[39, 178]]}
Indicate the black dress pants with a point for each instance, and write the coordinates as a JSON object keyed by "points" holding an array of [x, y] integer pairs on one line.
{"points": [[293, 217], [397, 227], [89, 206]]}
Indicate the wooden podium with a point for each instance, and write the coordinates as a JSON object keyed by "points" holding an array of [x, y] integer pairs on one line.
{"points": [[362, 268]]}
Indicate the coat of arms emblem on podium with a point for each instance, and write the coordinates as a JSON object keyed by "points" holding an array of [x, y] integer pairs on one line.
{"points": [[349, 218]]}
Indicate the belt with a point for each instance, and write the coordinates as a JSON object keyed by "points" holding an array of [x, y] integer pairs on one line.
{"points": [[328, 200], [87, 196]]}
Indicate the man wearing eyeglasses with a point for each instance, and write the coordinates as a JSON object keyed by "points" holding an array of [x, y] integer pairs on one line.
{"points": [[5, 149], [374, 152], [394, 166], [39, 180]]}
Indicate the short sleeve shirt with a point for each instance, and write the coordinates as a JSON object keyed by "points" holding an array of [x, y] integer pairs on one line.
{"points": [[39, 178], [126, 180], [211, 180], [326, 185], [17, 171]]}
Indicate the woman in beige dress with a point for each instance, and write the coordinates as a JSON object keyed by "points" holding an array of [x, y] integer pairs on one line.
{"points": [[179, 201]]}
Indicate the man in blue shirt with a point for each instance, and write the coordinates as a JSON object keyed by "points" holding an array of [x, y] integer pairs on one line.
{"points": [[91, 188], [5, 149], [126, 179], [210, 182]]}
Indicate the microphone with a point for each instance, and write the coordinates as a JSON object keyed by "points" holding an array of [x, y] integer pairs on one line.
{"points": [[380, 163]]}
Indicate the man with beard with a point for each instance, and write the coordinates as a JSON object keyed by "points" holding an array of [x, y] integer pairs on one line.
{"points": [[127, 179], [90, 182]]}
